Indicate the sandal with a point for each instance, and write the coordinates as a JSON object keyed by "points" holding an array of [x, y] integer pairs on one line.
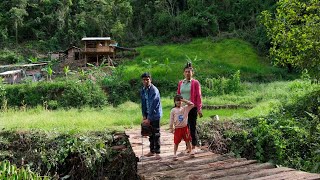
{"points": [[149, 154], [182, 153], [158, 157], [191, 154], [175, 158]]}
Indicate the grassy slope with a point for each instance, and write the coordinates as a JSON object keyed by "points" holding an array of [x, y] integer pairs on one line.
{"points": [[210, 60], [263, 97], [215, 59]]}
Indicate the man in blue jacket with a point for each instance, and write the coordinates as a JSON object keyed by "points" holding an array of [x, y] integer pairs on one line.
{"points": [[151, 112]]}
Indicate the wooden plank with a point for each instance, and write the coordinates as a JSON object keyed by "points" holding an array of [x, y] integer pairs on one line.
{"points": [[205, 174], [291, 175], [261, 173], [168, 158], [227, 164], [177, 164], [205, 164], [233, 171]]}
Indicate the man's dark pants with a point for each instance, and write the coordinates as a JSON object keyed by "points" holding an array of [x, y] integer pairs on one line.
{"points": [[154, 139]]}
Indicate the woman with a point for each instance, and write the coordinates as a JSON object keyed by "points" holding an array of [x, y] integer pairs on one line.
{"points": [[190, 89]]}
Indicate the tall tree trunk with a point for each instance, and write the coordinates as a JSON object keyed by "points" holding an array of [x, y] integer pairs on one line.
{"points": [[16, 30]]}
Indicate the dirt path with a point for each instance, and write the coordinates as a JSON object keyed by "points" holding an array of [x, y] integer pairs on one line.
{"points": [[205, 164]]}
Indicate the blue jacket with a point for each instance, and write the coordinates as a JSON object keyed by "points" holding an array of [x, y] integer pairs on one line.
{"points": [[155, 109]]}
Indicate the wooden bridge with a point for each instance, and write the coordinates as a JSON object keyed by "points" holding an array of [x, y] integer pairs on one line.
{"points": [[205, 164]]}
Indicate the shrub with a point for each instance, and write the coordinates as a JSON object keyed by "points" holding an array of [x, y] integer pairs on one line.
{"points": [[55, 94], [10, 171], [166, 87], [292, 133], [119, 91], [95, 155], [222, 85], [82, 94], [2, 91], [52, 104], [289, 135], [9, 57]]}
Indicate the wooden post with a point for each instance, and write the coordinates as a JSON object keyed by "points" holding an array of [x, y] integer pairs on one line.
{"points": [[85, 60], [85, 55], [97, 60], [110, 62]]}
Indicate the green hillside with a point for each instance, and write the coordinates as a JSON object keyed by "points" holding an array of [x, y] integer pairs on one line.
{"points": [[210, 59]]}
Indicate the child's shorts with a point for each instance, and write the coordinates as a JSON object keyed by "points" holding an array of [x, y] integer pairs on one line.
{"points": [[181, 133]]}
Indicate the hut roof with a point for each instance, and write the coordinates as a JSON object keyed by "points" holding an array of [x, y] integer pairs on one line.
{"points": [[10, 72], [22, 65], [95, 38], [73, 47]]}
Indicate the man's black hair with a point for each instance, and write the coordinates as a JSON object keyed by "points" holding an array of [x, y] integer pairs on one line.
{"points": [[146, 75]]}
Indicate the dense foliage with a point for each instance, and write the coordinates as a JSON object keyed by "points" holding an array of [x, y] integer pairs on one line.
{"points": [[10, 171], [210, 59], [55, 24], [97, 155], [53, 94], [294, 31], [10, 57], [61, 23], [288, 136], [222, 85], [178, 20]]}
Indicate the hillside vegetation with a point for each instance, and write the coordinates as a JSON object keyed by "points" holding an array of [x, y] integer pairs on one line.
{"points": [[274, 120], [210, 59]]}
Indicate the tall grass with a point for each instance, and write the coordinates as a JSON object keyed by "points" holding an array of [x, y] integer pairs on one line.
{"points": [[124, 116], [263, 98], [211, 59], [86, 119], [259, 94]]}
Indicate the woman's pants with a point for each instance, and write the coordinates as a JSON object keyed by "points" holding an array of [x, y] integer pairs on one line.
{"points": [[192, 123]]}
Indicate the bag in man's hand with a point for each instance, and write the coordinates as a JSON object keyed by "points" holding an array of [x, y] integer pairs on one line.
{"points": [[146, 128]]}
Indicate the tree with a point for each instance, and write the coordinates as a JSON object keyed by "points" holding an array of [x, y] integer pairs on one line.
{"points": [[118, 30], [3, 30], [294, 32], [17, 15]]}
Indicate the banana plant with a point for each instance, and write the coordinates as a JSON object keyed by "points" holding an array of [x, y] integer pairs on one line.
{"points": [[195, 62], [33, 59], [149, 64], [167, 65], [66, 71], [10, 171], [49, 72]]}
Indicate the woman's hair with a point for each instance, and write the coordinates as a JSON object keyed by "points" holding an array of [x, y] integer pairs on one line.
{"points": [[188, 66], [177, 98]]}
